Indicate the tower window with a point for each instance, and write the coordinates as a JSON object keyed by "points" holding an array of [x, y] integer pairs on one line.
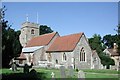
{"points": [[32, 31]]}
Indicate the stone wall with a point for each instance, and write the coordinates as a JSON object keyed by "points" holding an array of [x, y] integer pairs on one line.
{"points": [[73, 58], [96, 61], [59, 57], [47, 46], [39, 55], [88, 53]]}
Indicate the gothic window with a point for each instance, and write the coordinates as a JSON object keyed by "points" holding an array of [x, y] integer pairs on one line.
{"points": [[32, 31], [82, 54], [64, 57]]}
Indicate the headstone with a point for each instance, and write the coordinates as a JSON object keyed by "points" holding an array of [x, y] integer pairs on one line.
{"points": [[70, 71], [105, 67], [14, 67], [33, 73], [81, 75], [110, 67], [62, 72]]}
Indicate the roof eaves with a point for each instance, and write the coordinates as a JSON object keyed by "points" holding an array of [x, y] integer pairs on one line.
{"points": [[59, 51]]}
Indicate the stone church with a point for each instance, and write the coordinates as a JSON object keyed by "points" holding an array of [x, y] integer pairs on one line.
{"points": [[53, 50]]}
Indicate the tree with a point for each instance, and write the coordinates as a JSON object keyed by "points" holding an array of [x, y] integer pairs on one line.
{"points": [[97, 44], [44, 29], [118, 42], [109, 39], [10, 41]]}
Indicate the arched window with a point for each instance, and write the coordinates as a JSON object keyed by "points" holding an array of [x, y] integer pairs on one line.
{"points": [[56, 61], [82, 54], [64, 57], [32, 31]]}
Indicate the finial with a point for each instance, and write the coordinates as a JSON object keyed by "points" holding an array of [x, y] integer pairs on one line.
{"points": [[27, 17]]}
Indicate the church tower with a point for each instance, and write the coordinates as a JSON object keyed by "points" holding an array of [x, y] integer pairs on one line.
{"points": [[28, 31]]}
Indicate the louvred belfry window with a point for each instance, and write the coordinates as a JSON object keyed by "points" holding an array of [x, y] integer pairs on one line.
{"points": [[32, 31]]}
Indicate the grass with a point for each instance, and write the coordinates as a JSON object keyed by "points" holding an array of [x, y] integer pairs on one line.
{"points": [[101, 71], [47, 72], [88, 73], [8, 71]]}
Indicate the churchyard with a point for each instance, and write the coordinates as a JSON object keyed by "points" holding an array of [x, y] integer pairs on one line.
{"points": [[47, 74]]}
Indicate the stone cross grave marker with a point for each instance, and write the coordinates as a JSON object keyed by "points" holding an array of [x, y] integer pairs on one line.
{"points": [[53, 75], [62, 72], [81, 75], [70, 71]]}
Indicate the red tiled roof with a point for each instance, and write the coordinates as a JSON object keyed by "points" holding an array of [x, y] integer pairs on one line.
{"points": [[41, 40], [113, 53], [65, 43]]}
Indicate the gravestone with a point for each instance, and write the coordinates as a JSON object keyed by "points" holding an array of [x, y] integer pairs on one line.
{"points": [[33, 74], [81, 75], [26, 68], [62, 72], [70, 71], [14, 67]]}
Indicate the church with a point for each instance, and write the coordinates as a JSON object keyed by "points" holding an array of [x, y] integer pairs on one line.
{"points": [[53, 50]]}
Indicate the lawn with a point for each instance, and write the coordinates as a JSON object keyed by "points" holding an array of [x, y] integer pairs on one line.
{"points": [[89, 74]]}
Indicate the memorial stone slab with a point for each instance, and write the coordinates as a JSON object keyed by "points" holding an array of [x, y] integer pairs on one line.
{"points": [[81, 75], [62, 72]]}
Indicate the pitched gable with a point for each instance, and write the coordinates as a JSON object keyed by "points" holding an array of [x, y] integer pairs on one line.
{"points": [[65, 43], [41, 40]]}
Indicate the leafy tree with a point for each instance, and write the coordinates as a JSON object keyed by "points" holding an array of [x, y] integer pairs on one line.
{"points": [[10, 41], [97, 44], [45, 29], [110, 39]]}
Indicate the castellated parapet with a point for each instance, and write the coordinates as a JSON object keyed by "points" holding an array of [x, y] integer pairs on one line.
{"points": [[29, 24]]}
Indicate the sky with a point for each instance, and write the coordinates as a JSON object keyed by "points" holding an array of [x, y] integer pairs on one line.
{"points": [[66, 17]]}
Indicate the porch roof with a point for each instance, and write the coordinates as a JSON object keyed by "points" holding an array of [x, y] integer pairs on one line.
{"points": [[31, 49]]}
